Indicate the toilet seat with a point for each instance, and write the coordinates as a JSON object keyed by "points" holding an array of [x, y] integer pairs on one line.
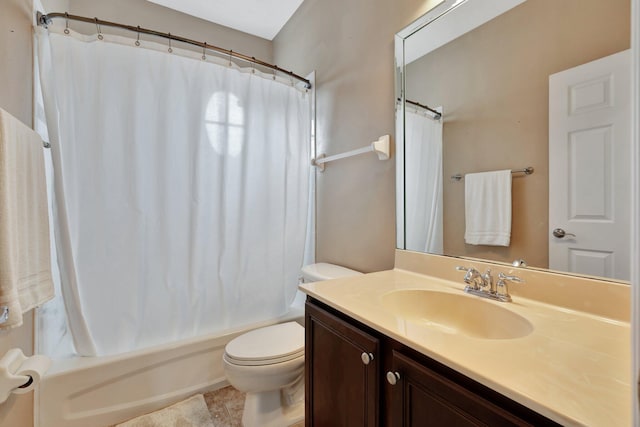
{"points": [[267, 346]]}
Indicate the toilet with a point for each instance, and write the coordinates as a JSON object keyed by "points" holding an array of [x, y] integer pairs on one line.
{"points": [[268, 364]]}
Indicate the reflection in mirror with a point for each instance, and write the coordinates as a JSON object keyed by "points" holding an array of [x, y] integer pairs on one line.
{"points": [[539, 83], [423, 185]]}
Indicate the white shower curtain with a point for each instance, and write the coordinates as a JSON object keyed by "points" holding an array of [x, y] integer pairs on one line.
{"points": [[423, 182], [180, 190]]}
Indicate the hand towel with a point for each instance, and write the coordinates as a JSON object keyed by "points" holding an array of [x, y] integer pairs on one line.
{"points": [[25, 264], [487, 208]]}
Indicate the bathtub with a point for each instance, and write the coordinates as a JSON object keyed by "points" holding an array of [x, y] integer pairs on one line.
{"points": [[102, 391]]}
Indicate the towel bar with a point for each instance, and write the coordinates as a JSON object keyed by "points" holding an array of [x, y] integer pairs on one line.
{"points": [[527, 171], [380, 147]]}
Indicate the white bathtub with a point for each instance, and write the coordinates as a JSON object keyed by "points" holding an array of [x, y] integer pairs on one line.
{"points": [[102, 391]]}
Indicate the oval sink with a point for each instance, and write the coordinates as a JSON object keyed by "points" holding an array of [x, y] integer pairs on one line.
{"points": [[453, 313]]}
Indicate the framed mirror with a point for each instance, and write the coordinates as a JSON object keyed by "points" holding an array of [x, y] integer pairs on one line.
{"points": [[513, 129]]}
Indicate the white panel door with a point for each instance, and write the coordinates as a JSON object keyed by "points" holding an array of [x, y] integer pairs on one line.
{"points": [[589, 168]]}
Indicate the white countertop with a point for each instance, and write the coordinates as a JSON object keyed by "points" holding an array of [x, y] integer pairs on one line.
{"points": [[574, 367]]}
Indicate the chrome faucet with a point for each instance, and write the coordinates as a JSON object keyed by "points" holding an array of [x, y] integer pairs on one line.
{"points": [[484, 286], [473, 278], [502, 288], [488, 282]]}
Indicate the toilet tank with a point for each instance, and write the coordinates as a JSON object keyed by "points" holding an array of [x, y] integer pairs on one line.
{"points": [[325, 271]]}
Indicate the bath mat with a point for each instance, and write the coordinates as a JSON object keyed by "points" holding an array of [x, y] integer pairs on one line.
{"points": [[192, 412]]}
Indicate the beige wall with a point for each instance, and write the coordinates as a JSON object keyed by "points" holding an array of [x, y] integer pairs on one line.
{"points": [[153, 16], [494, 91], [350, 46], [54, 5], [15, 48]]}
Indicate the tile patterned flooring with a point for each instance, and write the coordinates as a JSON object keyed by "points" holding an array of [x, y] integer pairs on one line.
{"points": [[226, 406]]}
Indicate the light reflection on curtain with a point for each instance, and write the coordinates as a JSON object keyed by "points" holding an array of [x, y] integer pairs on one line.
{"points": [[180, 191]]}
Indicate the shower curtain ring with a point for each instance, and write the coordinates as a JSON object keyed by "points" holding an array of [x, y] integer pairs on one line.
{"points": [[170, 50], [138, 39], [275, 70], [100, 37], [253, 65], [204, 52], [66, 29], [230, 55]]}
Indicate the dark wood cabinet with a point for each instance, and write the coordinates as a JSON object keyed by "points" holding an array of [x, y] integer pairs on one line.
{"points": [[342, 372], [422, 397], [342, 389]]}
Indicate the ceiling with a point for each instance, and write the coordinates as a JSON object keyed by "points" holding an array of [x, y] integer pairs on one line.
{"points": [[262, 18]]}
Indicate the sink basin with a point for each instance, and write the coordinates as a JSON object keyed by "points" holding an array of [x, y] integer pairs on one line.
{"points": [[457, 314]]}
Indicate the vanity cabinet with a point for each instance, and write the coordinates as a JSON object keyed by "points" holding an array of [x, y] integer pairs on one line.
{"points": [[423, 397], [342, 372], [356, 376]]}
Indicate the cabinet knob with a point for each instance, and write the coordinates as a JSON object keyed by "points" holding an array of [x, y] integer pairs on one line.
{"points": [[366, 358], [393, 377]]}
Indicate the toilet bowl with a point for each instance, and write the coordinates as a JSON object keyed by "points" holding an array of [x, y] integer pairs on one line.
{"points": [[268, 364]]}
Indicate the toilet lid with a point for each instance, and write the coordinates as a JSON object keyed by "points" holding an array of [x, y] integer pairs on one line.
{"points": [[272, 344]]}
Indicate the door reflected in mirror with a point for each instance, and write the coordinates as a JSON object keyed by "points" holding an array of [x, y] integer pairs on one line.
{"points": [[540, 84]]}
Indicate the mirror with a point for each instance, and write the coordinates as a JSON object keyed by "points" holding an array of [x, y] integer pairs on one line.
{"points": [[538, 88]]}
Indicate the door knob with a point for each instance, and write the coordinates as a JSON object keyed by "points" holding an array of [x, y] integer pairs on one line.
{"points": [[560, 233], [393, 377], [366, 358]]}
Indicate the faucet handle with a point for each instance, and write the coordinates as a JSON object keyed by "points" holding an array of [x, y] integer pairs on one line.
{"points": [[516, 279], [471, 270], [502, 289], [473, 277]]}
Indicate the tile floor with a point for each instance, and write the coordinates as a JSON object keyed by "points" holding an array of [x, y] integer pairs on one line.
{"points": [[226, 405]]}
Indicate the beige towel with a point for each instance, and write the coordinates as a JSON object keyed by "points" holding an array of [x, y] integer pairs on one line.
{"points": [[25, 265], [192, 412]]}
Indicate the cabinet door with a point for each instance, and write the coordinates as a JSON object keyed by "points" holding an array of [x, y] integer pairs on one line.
{"points": [[342, 385], [422, 397]]}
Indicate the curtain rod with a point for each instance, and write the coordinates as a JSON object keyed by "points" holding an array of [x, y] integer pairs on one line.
{"points": [[437, 114], [46, 20]]}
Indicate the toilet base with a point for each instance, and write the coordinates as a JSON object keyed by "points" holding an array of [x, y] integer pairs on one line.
{"points": [[271, 409]]}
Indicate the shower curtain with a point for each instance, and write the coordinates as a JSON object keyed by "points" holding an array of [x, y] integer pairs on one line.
{"points": [[180, 189], [423, 183]]}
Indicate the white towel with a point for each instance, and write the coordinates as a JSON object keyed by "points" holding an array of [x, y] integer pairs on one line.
{"points": [[25, 265], [487, 208]]}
